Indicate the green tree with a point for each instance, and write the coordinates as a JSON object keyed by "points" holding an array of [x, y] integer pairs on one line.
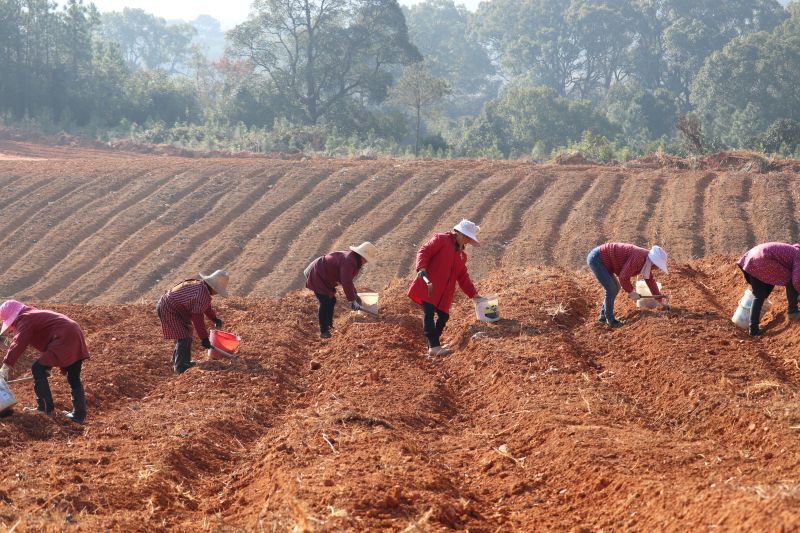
{"points": [[319, 53], [418, 89], [440, 31], [749, 84], [147, 41], [522, 117], [641, 114]]}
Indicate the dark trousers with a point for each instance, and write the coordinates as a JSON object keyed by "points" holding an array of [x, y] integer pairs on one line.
{"points": [[433, 327], [326, 306], [182, 356], [761, 292], [44, 398]]}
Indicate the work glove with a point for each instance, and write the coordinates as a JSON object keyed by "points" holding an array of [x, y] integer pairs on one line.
{"points": [[205, 343], [633, 295], [355, 306], [217, 323], [5, 370]]}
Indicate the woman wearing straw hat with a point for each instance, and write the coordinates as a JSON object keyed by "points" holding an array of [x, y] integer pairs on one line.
{"points": [[62, 344], [328, 271], [768, 265], [185, 304], [615, 263], [441, 262]]}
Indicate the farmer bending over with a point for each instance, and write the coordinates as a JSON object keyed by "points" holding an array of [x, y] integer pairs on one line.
{"points": [[184, 305], [62, 344], [767, 265], [615, 263], [328, 271], [441, 262]]}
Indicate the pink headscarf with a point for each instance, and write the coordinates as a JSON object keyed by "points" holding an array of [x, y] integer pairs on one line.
{"points": [[9, 312]]}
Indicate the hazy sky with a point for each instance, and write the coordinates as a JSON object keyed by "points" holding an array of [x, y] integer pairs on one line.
{"points": [[229, 12]]}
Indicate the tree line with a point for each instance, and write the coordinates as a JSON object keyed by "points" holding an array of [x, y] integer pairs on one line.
{"points": [[516, 78]]}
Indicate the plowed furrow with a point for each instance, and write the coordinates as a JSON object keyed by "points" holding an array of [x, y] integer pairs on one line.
{"points": [[584, 227], [95, 242], [278, 235], [97, 250], [192, 241], [503, 221], [325, 231], [160, 237], [678, 229], [27, 209], [543, 222], [21, 186], [240, 192], [220, 233], [478, 208], [701, 201], [773, 208], [729, 208], [32, 243], [645, 228], [628, 214], [379, 226], [243, 236], [146, 228], [792, 199]]}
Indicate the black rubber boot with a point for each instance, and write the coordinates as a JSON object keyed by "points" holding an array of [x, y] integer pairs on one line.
{"points": [[44, 398], [182, 356], [78, 414]]}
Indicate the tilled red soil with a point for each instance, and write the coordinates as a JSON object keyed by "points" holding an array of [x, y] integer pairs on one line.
{"points": [[544, 420], [102, 226]]}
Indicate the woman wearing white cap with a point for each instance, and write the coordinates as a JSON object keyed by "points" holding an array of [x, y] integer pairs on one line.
{"points": [[441, 262], [328, 271], [614, 260], [184, 305]]}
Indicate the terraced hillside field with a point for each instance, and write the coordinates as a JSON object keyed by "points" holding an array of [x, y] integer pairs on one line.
{"points": [[108, 227]]}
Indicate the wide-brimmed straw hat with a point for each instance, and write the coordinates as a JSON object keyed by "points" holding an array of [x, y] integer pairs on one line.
{"points": [[367, 250], [468, 229], [658, 257], [217, 281], [9, 312]]}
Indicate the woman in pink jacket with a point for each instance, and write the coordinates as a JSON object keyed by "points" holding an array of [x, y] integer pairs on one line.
{"points": [[615, 263], [62, 344], [325, 273], [767, 265], [441, 262]]}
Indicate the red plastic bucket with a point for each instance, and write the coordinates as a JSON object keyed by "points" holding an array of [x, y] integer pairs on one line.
{"points": [[223, 341]]}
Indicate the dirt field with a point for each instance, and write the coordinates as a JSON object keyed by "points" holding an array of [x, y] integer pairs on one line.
{"points": [[542, 421], [115, 227]]}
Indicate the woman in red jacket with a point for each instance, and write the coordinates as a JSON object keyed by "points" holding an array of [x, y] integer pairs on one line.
{"points": [[185, 305], [326, 272], [441, 262], [62, 344]]}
